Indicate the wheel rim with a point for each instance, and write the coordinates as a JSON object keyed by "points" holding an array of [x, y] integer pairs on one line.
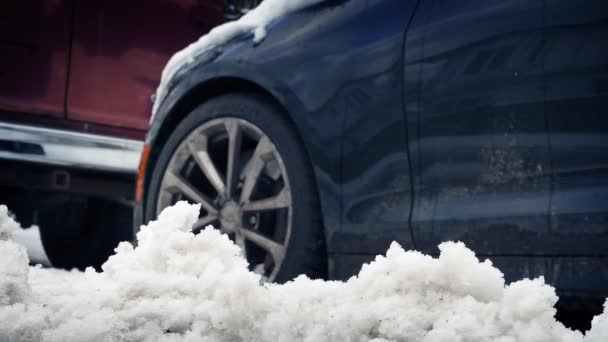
{"points": [[235, 172]]}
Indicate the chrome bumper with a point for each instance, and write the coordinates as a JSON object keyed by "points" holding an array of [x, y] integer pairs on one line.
{"points": [[69, 149], [56, 160]]}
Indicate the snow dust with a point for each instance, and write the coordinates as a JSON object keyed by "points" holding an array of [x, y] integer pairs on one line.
{"points": [[253, 24], [177, 286]]}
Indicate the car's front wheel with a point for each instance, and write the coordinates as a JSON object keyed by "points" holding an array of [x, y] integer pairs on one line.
{"points": [[240, 159]]}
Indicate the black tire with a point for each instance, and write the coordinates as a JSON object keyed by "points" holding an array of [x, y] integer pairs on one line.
{"points": [[79, 232], [306, 248]]}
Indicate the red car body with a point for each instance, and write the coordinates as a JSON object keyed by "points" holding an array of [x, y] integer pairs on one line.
{"points": [[91, 66], [76, 79]]}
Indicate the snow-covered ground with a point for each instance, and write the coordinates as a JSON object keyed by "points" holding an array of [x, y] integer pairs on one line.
{"points": [[177, 286]]}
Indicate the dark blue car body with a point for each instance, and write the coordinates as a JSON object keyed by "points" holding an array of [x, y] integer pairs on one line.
{"points": [[435, 120]]}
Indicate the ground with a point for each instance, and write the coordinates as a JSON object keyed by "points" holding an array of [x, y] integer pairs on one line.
{"points": [[177, 286]]}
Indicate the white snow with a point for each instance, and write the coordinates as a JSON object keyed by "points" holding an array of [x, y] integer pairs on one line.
{"points": [[177, 286], [13, 264], [7, 224], [599, 327], [252, 24]]}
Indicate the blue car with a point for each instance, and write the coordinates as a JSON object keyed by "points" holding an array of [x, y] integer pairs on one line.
{"points": [[356, 123]]}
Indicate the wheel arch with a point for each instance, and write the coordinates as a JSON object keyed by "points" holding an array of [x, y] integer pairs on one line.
{"points": [[211, 88], [195, 96]]}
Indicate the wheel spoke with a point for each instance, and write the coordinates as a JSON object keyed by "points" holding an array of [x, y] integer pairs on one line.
{"points": [[239, 239], [164, 200], [254, 167], [204, 221], [234, 151], [175, 181], [275, 249], [282, 200], [198, 149]]}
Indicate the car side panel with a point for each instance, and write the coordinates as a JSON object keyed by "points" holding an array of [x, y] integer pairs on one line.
{"points": [[576, 63], [576, 66], [119, 52], [34, 45], [477, 129]]}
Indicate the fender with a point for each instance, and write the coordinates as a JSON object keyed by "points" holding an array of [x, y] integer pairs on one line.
{"points": [[233, 74], [227, 72], [323, 84]]}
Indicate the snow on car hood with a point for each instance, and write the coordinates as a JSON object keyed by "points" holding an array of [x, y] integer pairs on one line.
{"points": [[252, 24], [177, 286]]}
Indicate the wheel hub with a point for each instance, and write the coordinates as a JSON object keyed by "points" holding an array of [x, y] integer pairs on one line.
{"points": [[230, 216]]}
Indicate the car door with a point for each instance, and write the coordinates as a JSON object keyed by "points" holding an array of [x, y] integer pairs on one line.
{"points": [[376, 185], [34, 45], [476, 126], [119, 50], [576, 64]]}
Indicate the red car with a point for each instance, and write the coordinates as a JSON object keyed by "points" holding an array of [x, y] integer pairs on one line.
{"points": [[75, 84]]}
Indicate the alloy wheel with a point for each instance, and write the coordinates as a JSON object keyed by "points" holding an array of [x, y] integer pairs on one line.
{"points": [[236, 173]]}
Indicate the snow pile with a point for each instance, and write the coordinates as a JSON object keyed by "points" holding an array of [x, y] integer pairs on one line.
{"points": [[599, 327], [13, 264], [7, 224], [176, 286], [252, 24]]}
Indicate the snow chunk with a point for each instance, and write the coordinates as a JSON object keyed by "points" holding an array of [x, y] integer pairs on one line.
{"points": [[599, 327], [253, 24], [7, 224], [177, 286], [14, 287]]}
